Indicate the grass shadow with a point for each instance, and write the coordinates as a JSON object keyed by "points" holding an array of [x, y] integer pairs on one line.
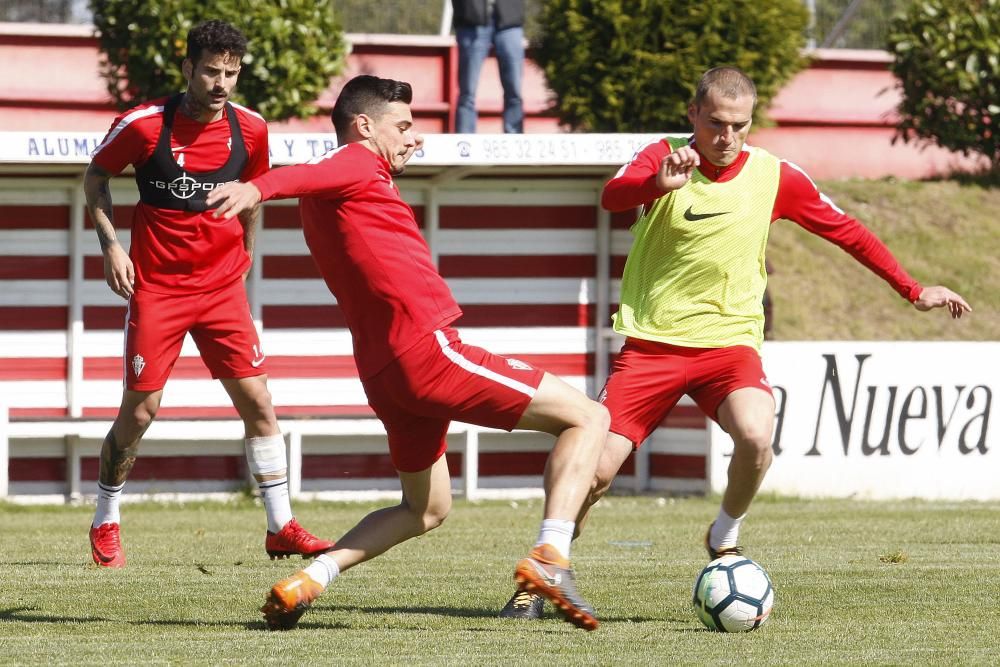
{"points": [[17, 614], [455, 612], [984, 178]]}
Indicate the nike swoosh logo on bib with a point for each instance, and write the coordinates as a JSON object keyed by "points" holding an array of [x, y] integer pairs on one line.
{"points": [[688, 215]]}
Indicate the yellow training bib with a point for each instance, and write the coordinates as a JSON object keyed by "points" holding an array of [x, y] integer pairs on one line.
{"points": [[695, 274]]}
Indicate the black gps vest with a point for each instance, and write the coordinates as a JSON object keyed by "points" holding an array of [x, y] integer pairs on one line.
{"points": [[163, 184]]}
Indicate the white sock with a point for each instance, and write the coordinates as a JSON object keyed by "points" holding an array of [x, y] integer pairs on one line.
{"points": [[108, 498], [274, 493], [725, 531], [558, 533], [323, 570]]}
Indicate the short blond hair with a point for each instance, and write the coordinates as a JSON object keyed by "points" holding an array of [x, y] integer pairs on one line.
{"points": [[729, 82]]}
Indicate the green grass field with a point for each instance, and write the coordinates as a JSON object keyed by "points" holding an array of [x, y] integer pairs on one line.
{"points": [[942, 232], [857, 583]]}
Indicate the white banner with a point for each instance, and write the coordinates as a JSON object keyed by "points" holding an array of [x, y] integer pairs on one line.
{"points": [[438, 149], [879, 420]]}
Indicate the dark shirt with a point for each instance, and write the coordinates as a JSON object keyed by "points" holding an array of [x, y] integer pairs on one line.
{"points": [[505, 13]]}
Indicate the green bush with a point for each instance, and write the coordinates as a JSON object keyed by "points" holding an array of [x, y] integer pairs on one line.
{"points": [[405, 18], [295, 47], [947, 59], [632, 65]]}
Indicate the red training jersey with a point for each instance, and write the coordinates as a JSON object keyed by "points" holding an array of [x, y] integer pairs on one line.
{"points": [[180, 251], [366, 243], [798, 199]]}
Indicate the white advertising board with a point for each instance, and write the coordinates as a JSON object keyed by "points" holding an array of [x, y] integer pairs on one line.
{"points": [[879, 420], [438, 149]]}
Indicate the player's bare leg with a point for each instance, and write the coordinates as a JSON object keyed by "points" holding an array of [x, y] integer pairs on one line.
{"points": [[425, 504], [527, 605], [252, 400], [137, 411], [617, 449], [580, 426], [747, 415], [265, 452], [118, 453]]}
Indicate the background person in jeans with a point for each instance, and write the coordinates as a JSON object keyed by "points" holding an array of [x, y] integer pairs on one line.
{"points": [[479, 25]]}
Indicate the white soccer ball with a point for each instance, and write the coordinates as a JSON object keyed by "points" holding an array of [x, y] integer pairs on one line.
{"points": [[733, 594]]}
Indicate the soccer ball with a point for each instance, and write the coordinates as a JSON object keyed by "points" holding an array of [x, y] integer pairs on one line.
{"points": [[733, 594]]}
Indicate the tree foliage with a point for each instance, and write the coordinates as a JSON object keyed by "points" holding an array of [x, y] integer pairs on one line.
{"points": [[295, 47], [632, 65], [947, 60], [867, 27], [405, 18], [412, 18]]}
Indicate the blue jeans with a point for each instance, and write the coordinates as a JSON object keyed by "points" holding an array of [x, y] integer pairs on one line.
{"points": [[473, 47]]}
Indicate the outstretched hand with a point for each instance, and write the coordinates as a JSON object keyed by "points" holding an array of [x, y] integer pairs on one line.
{"points": [[942, 297], [676, 169], [236, 197]]}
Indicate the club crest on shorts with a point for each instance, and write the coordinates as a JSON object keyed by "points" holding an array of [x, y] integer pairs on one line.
{"points": [[518, 365], [138, 363]]}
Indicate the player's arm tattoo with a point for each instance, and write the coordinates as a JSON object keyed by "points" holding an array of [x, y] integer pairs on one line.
{"points": [[97, 190], [116, 461], [249, 219]]}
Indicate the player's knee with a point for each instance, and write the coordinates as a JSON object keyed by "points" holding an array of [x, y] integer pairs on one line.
{"points": [[756, 441], [604, 416], [143, 414], [434, 519], [596, 417], [261, 406], [258, 415], [435, 514]]}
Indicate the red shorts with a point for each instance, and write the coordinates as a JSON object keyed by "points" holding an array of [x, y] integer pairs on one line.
{"points": [[648, 379], [439, 380], [219, 322]]}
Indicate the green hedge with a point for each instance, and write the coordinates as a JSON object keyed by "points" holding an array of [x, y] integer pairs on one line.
{"points": [[947, 59], [295, 47], [632, 65]]}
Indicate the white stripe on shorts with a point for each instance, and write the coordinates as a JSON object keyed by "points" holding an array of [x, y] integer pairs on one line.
{"points": [[464, 363], [128, 313]]}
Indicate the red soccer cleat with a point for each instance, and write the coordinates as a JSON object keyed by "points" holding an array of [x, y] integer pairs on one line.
{"points": [[106, 545], [289, 599], [294, 539]]}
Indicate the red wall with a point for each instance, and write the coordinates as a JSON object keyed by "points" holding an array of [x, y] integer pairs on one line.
{"points": [[835, 119]]}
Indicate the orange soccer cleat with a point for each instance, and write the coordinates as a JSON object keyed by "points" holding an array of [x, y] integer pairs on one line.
{"points": [[289, 599], [547, 573], [106, 545], [294, 539]]}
